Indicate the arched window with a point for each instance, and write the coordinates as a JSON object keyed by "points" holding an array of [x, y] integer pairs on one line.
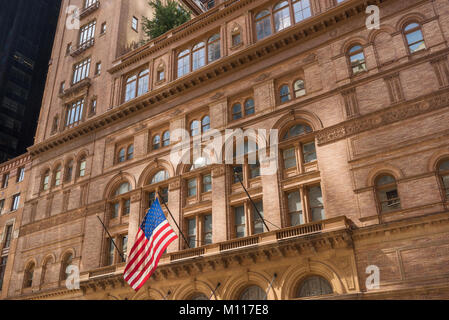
{"points": [[413, 35], [157, 142], [121, 155], [122, 189], [299, 88], [195, 128], [281, 14], [357, 59], [28, 276], [205, 124], [137, 85], [82, 167], [263, 24], [443, 171], [46, 181], [249, 107], [253, 293], [143, 82], [44, 274], [199, 56], [66, 262], [237, 111], [130, 153], [387, 193], [159, 189], [213, 48], [131, 86], [284, 94], [69, 171], [301, 9], [166, 139], [297, 130], [160, 177], [313, 287], [57, 175], [183, 63]]}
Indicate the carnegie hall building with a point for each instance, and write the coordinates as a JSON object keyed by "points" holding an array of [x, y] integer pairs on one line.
{"points": [[358, 207]]}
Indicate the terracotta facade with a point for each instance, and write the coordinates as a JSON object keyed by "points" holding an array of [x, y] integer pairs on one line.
{"points": [[363, 153]]}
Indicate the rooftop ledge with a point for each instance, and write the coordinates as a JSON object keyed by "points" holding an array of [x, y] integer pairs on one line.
{"points": [[235, 246]]}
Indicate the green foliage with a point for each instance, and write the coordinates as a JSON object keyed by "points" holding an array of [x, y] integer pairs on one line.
{"points": [[166, 17]]}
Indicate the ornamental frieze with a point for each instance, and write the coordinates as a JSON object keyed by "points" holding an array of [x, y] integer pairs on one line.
{"points": [[385, 117]]}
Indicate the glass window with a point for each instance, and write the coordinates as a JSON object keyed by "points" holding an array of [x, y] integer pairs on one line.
{"points": [[263, 24], [240, 222], [121, 155], [183, 63], [205, 124], [387, 194], [297, 130], [46, 181], [5, 180], [74, 113], [110, 253], [284, 94], [254, 170], [81, 71], [3, 262], [281, 16], [300, 89], [258, 224], [15, 202], [160, 176], [309, 152], [8, 237], [58, 174], [125, 246], [87, 33], [199, 56], [192, 232], [444, 174], [144, 82], [253, 293], [69, 171], [28, 277], [130, 153], [157, 142], [316, 203], [131, 86], [237, 174], [82, 171], [295, 208], [249, 107], [115, 210], [191, 188], [214, 50], [67, 261], [301, 9], [207, 183], [135, 24], [166, 139], [289, 158], [313, 287], [2, 205], [123, 188], [357, 59], [126, 207], [195, 128], [207, 229], [414, 36], [237, 111], [21, 174]]}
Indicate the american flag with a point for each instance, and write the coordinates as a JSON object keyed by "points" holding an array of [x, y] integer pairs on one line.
{"points": [[153, 238]]}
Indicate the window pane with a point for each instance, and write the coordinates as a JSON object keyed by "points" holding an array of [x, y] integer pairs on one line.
{"points": [[199, 56], [207, 183], [237, 111], [295, 208], [240, 222], [302, 10], [115, 210], [314, 286], [259, 226], [192, 233], [123, 188], [249, 107], [214, 48], [207, 229], [191, 185], [263, 25], [282, 17], [316, 204], [309, 151], [444, 166], [254, 170], [289, 158], [127, 207]]}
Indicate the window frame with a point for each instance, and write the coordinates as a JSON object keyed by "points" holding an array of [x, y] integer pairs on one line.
{"points": [[352, 52], [414, 29], [389, 187]]}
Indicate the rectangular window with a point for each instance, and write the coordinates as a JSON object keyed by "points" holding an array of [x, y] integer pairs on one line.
{"points": [[254, 170], [8, 236], [89, 3], [164, 194], [258, 225], [127, 207], [207, 183], [110, 253], [81, 71], [289, 158], [192, 232], [295, 208], [74, 114], [15, 202], [103, 28], [93, 107], [240, 222], [301, 9], [316, 203], [5, 180], [309, 151], [125, 246], [191, 188], [2, 206], [20, 174], [207, 230], [135, 24], [87, 33], [115, 210], [98, 68], [3, 261]]}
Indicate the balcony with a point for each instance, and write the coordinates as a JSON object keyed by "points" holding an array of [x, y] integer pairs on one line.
{"points": [[82, 47], [87, 11], [304, 237]]}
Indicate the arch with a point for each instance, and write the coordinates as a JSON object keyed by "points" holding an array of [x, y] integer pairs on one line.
{"points": [[56, 164], [116, 182], [304, 285], [66, 252], [348, 44], [296, 274], [49, 258], [409, 18], [153, 168], [29, 274], [186, 291], [436, 158], [296, 116], [82, 153], [384, 169], [375, 32], [235, 286]]}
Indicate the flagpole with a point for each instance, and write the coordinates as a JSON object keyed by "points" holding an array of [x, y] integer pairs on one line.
{"points": [[112, 239], [171, 215], [254, 205]]}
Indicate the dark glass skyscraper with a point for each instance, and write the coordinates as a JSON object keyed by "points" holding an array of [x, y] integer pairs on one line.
{"points": [[27, 30]]}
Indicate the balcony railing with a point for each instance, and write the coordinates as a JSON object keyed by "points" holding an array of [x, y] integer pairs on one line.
{"points": [[330, 225], [82, 47], [86, 11]]}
